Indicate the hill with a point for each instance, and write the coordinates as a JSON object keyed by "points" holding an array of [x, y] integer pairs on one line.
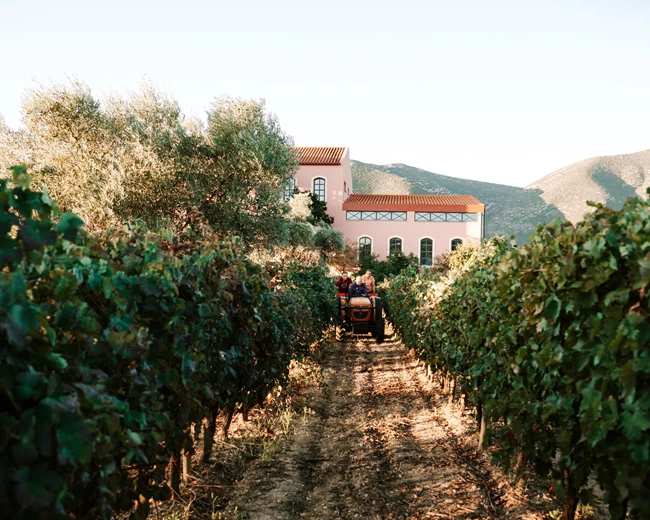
{"points": [[562, 194], [508, 209], [608, 179]]}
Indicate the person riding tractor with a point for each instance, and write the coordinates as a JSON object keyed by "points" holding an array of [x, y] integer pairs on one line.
{"points": [[358, 288], [343, 283], [369, 280]]}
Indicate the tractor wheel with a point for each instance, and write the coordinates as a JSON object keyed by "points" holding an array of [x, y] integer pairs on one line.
{"points": [[339, 320], [380, 332], [378, 310], [378, 329]]}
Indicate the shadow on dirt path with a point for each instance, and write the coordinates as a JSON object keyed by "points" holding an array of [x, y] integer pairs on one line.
{"points": [[376, 446]]}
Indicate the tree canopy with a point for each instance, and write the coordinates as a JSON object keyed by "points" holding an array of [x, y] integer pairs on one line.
{"points": [[120, 159]]}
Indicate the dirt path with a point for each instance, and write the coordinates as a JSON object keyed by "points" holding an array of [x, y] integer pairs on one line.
{"points": [[378, 445]]}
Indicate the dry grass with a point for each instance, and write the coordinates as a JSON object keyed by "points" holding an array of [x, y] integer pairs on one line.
{"points": [[268, 431], [361, 432]]}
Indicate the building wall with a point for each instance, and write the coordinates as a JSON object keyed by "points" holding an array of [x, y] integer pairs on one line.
{"points": [[411, 232], [337, 178], [339, 187]]}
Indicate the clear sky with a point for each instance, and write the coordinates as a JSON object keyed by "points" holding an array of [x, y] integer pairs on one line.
{"points": [[496, 91]]}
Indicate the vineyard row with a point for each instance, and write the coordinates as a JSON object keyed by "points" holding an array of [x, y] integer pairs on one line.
{"points": [[551, 342], [113, 347]]}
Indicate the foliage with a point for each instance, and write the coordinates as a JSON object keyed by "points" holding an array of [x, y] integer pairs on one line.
{"points": [[394, 264], [315, 289], [300, 205], [253, 160], [311, 226], [458, 260], [113, 346], [329, 240], [348, 259], [299, 234], [138, 158], [319, 211], [75, 149], [552, 338], [305, 205]]}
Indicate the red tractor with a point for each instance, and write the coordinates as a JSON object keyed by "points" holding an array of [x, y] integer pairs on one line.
{"points": [[360, 315]]}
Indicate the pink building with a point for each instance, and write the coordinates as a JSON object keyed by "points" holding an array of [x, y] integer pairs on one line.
{"points": [[425, 225]]}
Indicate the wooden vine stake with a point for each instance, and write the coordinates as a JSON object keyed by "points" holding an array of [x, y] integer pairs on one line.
{"points": [[187, 465], [452, 392], [481, 434], [186, 455]]}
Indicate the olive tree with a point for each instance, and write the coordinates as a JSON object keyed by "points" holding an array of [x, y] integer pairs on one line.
{"points": [[120, 159], [251, 160], [73, 148]]}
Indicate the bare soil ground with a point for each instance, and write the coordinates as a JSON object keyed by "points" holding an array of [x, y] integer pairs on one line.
{"points": [[370, 438]]}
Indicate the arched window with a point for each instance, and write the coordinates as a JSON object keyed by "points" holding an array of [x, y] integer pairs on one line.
{"points": [[319, 188], [289, 189], [394, 245], [455, 243], [426, 251], [365, 247]]}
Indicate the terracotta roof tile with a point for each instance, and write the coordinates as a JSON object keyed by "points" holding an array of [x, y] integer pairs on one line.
{"points": [[442, 203], [321, 155]]}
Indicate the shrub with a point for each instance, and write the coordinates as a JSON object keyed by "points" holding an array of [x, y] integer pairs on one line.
{"points": [[329, 240]]}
